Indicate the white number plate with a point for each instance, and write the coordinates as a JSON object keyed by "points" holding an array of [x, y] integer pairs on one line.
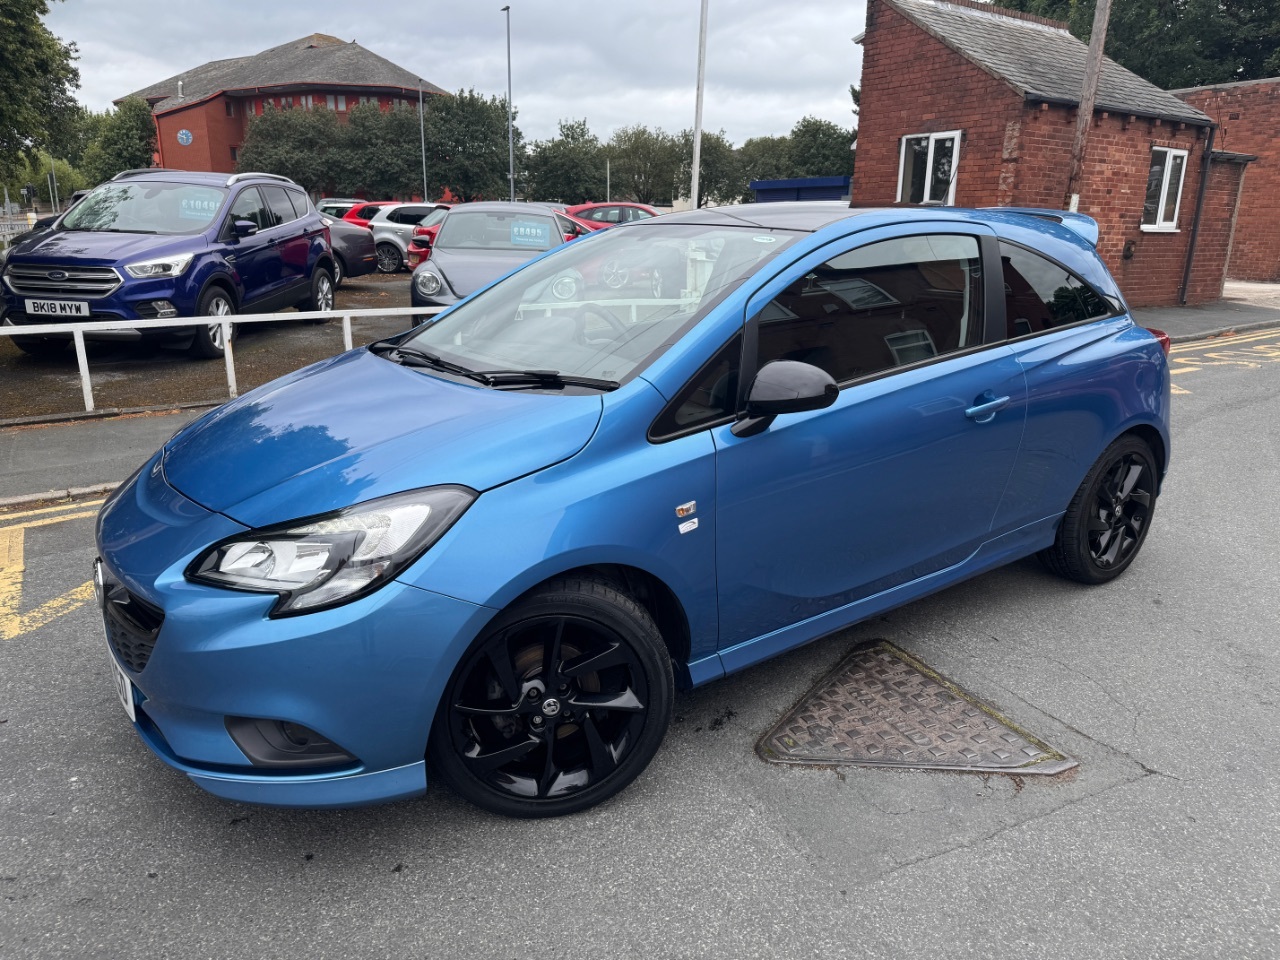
{"points": [[124, 687], [53, 309]]}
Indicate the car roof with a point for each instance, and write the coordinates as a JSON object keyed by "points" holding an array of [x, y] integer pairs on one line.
{"points": [[198, 177], [503, 206]]}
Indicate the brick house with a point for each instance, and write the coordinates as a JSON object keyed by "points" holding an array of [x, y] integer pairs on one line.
{"points": [[1248, 119], [969, 104], [201, 115]]}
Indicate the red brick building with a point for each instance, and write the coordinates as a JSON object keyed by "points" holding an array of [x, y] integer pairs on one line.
{"points": [[967, 104], [202, 114], [1248, 119]]}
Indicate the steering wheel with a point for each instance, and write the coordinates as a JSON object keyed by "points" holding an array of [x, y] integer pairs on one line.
{"points": [[599, 310]]}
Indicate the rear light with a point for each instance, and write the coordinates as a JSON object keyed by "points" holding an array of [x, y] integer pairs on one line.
{"points": [[1162, 338], [422, 231]]}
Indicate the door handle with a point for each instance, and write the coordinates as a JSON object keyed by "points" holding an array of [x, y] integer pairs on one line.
{"points": [[985, 412]]}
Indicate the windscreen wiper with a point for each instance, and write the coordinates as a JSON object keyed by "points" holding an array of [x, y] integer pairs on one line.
{"points": [[544, 378], [413, 357]]}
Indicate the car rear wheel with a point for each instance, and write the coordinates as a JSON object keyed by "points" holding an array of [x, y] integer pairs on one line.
{"points": [[339, 272], [321, 297], [1107, 520], [558, 706], [210, 341], [389, 258]]}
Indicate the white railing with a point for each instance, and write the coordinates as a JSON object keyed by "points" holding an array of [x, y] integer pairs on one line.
{"points": [[78, 329]]}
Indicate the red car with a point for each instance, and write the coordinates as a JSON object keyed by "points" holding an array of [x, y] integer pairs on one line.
{"points": [[363, 212], [424, 235], [600, 215]]}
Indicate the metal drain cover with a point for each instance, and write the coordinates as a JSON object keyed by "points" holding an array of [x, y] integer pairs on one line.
{"points": [[882, 707]]}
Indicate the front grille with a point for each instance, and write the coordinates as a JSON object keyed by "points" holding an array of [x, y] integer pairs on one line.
{"points": [[61, 280], [19, 318], [132, 624]]}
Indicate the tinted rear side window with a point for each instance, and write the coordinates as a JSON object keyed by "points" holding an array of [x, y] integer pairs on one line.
{"points": [[280, 205], [1040, 295]]}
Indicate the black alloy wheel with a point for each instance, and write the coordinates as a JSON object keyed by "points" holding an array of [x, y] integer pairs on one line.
{"points": [[559, 706], [1107, 520]]}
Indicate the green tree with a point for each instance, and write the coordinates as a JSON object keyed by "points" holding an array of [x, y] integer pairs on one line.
{"points": [[127, 141], [569, 168], [36, 78], [466, 138], [764, 158], [72, 130], [1180, 43], [645, 164], [820, 148], [33, 169], [720, 179]]}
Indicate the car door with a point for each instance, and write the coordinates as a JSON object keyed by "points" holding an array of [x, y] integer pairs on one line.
{"points": [[902, 476], [255, 258], [293, 243]]}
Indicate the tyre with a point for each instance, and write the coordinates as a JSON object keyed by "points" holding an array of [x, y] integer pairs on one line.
{"points": [[390, 259], [321, 297], [339, 271], [40, 346], [1107, 520], [558, 706], [209, 342]]}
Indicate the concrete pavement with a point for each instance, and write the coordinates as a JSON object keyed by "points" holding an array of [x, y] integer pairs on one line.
{"points": [[46, 461]]}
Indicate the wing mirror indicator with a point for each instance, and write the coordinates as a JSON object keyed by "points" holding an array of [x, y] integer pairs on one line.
{"points": [[785, 386]]}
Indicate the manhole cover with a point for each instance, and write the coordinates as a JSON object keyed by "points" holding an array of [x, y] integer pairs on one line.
{"points": [[882, 707]]}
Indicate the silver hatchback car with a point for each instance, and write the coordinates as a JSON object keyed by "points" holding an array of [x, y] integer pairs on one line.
{"points": [[392, 228]]}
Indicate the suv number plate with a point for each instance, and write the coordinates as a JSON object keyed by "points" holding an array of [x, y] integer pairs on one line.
{"points": [[57, 308]]}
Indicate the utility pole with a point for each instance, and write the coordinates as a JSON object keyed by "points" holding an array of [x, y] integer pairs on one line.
{"points": [[1084, 117], [697, 118], [511, 143]]}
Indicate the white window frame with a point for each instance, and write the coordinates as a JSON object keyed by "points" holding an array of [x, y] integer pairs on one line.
{"points": [[1161, 225], [950, 198], [342, 103]]}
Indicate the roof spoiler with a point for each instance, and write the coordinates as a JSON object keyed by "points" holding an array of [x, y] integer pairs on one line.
{"points": [[1077, 223]]}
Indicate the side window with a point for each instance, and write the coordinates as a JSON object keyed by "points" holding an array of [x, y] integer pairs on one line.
{"points": [[1040, 295], [279, 204], [711, 396], [248, 206], [880, 306], [301, 203]]}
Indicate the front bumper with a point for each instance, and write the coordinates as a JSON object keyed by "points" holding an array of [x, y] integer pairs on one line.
{"points": [[132, 300], [366, 676]]}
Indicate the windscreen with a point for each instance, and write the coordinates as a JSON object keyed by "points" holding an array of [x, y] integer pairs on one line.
{"points": [[604, 305], [146, 207]]}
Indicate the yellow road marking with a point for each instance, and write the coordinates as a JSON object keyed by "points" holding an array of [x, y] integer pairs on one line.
{"points": [[1246, 350], [46, 521], [1214, 342], [13, 622], [43, 510]]}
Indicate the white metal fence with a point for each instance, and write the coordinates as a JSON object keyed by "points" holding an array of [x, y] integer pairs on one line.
{"points": [[77, 331]]}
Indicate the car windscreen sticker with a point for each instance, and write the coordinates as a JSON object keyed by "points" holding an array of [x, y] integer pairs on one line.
{"points": [[197, 204], [531, 233]]}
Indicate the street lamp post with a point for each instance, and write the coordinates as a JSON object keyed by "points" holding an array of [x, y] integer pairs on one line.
{"points": [[511, 143], [697, 118]]}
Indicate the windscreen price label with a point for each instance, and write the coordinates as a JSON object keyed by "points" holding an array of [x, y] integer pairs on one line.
{"points": [[530, 233]]}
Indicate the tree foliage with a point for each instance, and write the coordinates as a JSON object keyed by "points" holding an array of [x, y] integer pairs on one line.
{"points": [[820, 148], [126, 140], [33, 169], [720, 177], [37, 75], [1180, 43], [569, 168], [467, 146], [645, 164]]}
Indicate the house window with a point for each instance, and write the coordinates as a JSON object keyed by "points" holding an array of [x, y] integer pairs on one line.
{"points": [[927, 170], [330, 101], [235, 154], [1164, 189], [231, 108], [342, 101], [286, 103]]}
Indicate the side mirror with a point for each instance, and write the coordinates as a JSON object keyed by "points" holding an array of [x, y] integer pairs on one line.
{"points": [[245, 228], [785, 386]]}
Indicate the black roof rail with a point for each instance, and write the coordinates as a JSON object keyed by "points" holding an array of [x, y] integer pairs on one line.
{"points": [[269, 176], [126, 174]]}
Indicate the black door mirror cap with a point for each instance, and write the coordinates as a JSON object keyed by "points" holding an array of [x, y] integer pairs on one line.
{"points": [[789, 386], [244, 228]]}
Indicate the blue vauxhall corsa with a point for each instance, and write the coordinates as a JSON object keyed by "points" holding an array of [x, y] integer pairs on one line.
{"points": [[499, 541]]}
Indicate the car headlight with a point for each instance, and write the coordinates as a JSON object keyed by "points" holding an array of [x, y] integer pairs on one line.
{"points": [[325, 561], [428, 283], [160, 267]]}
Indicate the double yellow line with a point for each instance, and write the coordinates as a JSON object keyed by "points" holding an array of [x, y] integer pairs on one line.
{"points": [[13, 527]]}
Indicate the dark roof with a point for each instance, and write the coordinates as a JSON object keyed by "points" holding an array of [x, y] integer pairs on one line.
{"points": [[1227, 86], [315, 61], [1039, 58]]}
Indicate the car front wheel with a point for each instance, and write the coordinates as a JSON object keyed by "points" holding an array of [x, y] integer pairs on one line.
{"points": [[1107, 520], [558, 706], [210, 341]]}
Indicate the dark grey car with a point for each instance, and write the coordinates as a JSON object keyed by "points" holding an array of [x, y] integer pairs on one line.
{"points": [[354, 254]]}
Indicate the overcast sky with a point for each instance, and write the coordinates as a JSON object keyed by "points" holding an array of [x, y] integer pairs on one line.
{"points": [[614, 63]]}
